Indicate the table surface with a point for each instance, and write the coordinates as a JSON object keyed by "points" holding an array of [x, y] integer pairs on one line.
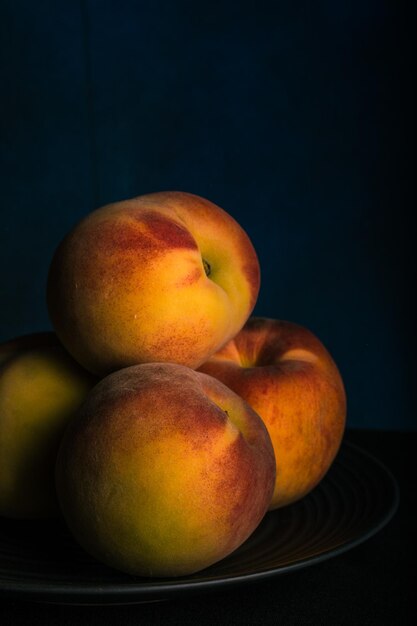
{"points": [[370, 584]]}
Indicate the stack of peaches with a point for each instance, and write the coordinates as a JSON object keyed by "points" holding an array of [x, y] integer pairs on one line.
{"points": [[160, 419]]}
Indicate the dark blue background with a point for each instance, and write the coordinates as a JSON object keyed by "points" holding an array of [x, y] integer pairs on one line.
{"points": [[296, 117]]}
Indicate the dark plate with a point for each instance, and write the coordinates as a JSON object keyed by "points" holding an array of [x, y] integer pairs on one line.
{"points": [[357, 497]]}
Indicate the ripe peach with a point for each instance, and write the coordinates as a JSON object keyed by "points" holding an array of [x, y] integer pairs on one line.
{"points": [[165, 471], [163, 277], [286, 374], [41, 387]]}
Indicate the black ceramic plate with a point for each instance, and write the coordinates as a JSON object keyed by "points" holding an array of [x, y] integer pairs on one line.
{"points": [[357, 497]]}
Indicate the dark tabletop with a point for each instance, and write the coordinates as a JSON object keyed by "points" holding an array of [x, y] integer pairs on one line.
{"points": [[370, 584]]}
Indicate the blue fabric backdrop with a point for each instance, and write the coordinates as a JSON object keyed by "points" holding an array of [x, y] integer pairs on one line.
{"points": [[296, 117]]}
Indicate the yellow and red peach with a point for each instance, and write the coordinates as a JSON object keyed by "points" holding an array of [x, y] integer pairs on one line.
{"points": [[41, 387], [164, 471], [166, 277], [289, 378]]}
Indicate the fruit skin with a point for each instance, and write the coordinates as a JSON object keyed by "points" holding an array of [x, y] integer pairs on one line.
{"points": [[286, 374], [156, 479], [128, 284], [41, 387]]}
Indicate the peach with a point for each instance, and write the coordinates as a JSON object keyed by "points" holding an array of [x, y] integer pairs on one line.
{"points": [[288, 377], [41, 387], [164, 277], [164, 471]]}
